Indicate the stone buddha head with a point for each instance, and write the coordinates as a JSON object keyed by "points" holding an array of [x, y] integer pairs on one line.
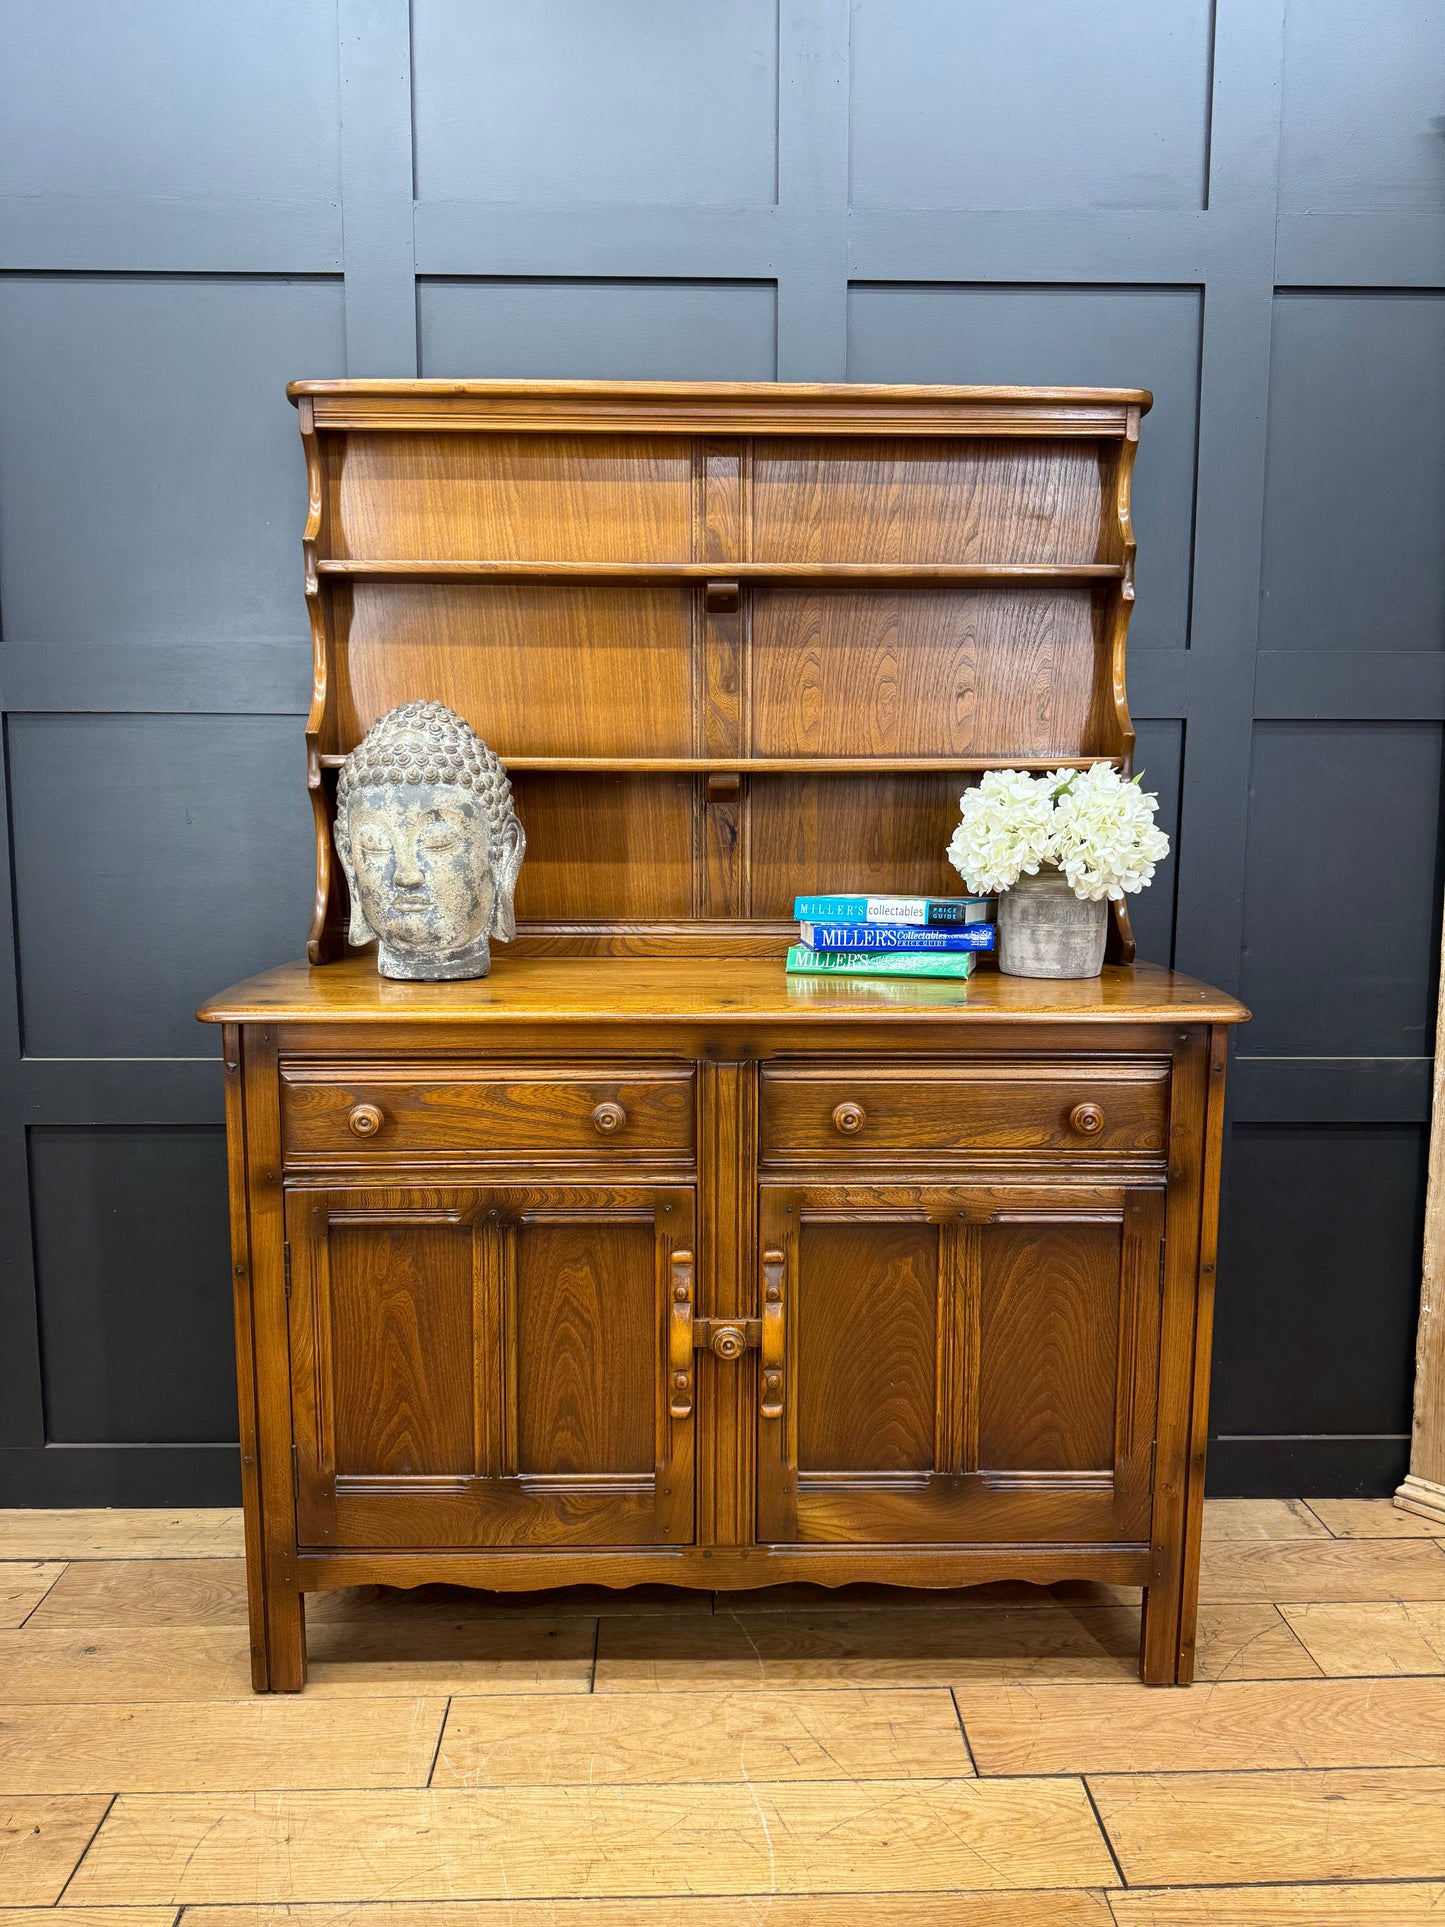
{"points": [[430, 844]]}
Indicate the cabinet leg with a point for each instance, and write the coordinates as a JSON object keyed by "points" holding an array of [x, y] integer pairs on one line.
{"points": [[286, 1640], [1166, 1634]]}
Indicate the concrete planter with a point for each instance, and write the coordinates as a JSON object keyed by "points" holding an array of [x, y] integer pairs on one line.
{"points": [[1044, 930]]}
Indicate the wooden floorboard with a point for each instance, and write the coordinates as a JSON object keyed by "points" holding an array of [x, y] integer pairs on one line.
{"points": [[23, 1586], [583, 1841], [1244, 1726], [1371, 1519], [212, 1592], [1390, 1904], [792, 1757], [1372, 1639], [1188, 1829], [1059, 1908], [41, 1841], [276, 1741], [612, 1738], [126, 1533], [1316, 1569]]}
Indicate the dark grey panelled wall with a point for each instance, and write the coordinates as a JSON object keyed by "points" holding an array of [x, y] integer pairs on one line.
{"points": [[1242, 207]]}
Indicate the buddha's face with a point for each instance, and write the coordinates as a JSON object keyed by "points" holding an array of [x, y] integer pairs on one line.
{"points": [[423, 876]]}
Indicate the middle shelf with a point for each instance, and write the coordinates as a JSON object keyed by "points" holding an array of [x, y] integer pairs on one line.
{"points": [[660, 574]]}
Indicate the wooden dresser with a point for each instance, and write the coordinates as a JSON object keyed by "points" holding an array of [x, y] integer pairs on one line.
{"points": [[639, 1260]]}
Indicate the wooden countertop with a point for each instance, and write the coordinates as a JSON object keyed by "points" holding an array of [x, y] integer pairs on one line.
{"points": [[712, 989]]}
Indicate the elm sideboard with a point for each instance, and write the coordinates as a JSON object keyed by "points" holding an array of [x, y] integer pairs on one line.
{"points": [[638, 1260]]}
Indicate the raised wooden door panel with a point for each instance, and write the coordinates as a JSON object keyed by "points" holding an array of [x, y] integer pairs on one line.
{"points": [[488, 1366], [958, 1363]]}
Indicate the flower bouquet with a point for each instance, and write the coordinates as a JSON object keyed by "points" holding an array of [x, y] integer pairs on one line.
{"points": [[1056, 849]]}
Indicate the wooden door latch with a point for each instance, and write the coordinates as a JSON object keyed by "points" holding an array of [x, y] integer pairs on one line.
{"points": [[725, 1338]]}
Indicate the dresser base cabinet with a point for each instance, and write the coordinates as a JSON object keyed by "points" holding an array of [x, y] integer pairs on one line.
{"points": [[746, 1291]]}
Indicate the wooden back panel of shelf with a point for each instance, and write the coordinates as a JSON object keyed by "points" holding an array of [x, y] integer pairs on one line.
{"points": [[737, 642]]}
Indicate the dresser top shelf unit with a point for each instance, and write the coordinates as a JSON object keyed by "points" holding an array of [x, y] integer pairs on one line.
{"points": [[735, 642]]}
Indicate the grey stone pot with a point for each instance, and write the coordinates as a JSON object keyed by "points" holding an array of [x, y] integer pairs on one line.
{"points": [[1044, 930]]}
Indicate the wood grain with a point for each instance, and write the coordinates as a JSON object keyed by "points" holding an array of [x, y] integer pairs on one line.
{"points": [[1245, 1726], [806, 1837], [1371, 1519], [865, 1311], [582, 498], [89, 1917], [1372, 1638], [1191, 1829], [1391, 1904], [725, 1737], [546, 990], [899, 501], [483, 1655], [584, 1323], [842, 1649], [1048, 1345], [212, 1592], [271, 1742], [490, 652], [925, 672], [615, 848], [23, 1586], [1049, 1909], [41, 1839], [1262, 1519], [1231, 1642], [129, 1532], [1317, 1570]]}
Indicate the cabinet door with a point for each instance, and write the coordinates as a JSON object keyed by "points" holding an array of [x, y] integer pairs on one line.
{"points": [[958, 1364], [479, 1367]]}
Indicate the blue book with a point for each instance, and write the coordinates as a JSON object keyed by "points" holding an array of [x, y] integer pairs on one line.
{"points": [[921, 911], [895, 936]]}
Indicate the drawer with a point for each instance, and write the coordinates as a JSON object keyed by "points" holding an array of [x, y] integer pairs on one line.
{"points": [[815, 1112], [492, 1111]]}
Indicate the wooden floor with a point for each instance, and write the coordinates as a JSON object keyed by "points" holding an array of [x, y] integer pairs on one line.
{"points": [[854, 1759]]}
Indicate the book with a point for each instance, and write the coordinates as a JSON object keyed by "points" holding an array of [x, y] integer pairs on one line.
{"points": [[908, 910], [895, 936], [803, 961]]}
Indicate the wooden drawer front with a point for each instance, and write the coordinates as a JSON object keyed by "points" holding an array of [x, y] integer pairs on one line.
{"points": [[496, 1112], [1086, 1105]]}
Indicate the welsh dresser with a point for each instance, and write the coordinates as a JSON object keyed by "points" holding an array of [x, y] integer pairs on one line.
{"points": [[639, 1260]]}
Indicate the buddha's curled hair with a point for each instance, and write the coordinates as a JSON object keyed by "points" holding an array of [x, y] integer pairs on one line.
{"points": [[425, 742]]}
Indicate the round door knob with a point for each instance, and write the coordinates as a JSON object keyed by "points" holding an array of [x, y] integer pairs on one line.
{"points": [[849, 1119], [729, 1342], [609, 1118], [1086, 1119], [363, 1120]]}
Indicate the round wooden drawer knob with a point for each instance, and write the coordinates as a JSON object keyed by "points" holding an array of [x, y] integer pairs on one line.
{"points": [[728, 1341], [363, 1120], [1086, 1119], [609, 1119], [849, 1119]]}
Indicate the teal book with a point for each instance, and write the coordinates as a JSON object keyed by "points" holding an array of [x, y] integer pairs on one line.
{"points": [[803, 962]]}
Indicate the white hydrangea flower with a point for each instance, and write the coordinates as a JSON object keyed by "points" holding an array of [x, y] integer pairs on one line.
{"points": [[1097, 826], [1004, 831]]}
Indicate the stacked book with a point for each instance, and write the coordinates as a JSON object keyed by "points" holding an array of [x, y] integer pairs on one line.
{"points": [[891, 936]]}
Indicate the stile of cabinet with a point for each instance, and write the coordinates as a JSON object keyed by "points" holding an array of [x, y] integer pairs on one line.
{"points": [[637, 1260]]}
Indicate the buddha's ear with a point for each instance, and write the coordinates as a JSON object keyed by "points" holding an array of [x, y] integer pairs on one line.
{"points": [[359, 931], [511, 848]]}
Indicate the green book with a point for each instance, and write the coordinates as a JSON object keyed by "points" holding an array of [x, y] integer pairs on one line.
{"points": [[803, 962]]}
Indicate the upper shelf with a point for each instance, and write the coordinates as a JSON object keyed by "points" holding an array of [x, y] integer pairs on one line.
{"points": [[781, 765], [660, 574], [718, 408]]}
